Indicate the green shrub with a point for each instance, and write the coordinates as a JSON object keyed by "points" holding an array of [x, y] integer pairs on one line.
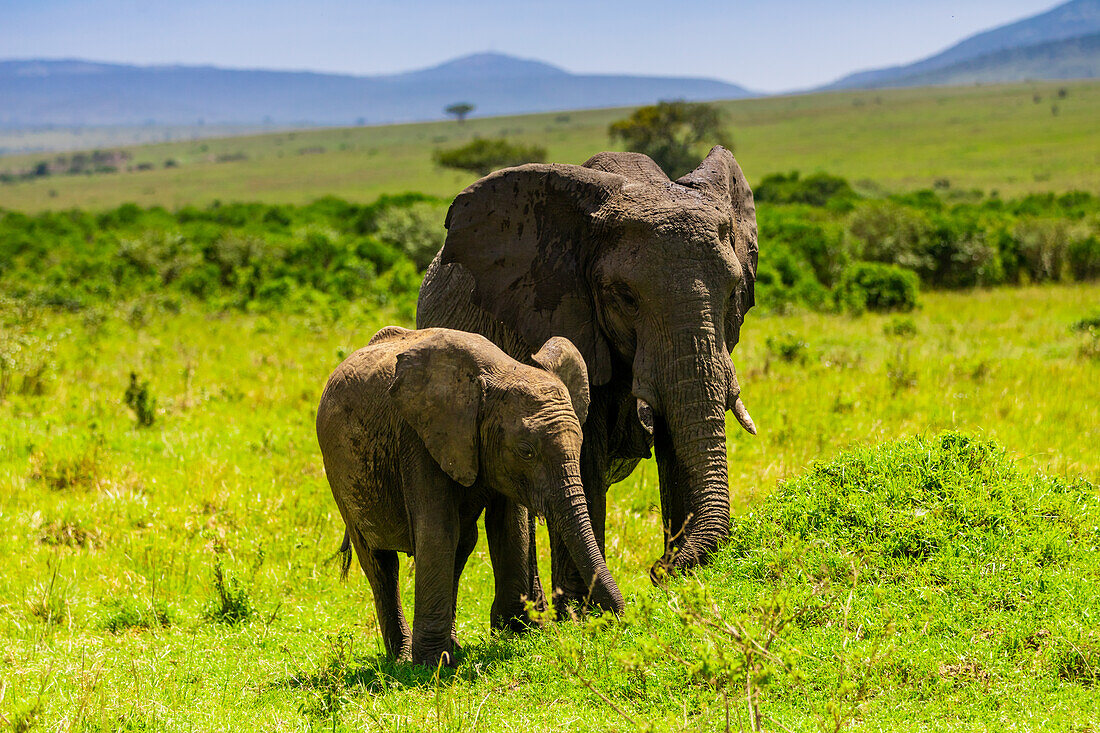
{"points": [[1084, 258], [891, 233], [122, 614], [789, 348], [139, 399], [876, 287], [1042, 245], [417, 231], [482, 156], [817, 189], [902, 327]]}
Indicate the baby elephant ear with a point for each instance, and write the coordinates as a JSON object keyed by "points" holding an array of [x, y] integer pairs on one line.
{"points": [[560, 357], [437, 390]]}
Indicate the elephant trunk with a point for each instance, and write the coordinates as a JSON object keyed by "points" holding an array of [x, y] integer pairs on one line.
{"points": [[690, 442], [570, 515]]}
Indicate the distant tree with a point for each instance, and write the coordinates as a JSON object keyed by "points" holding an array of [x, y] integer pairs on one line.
{"points": [[459, 110], [483, 156], [672, 132]]}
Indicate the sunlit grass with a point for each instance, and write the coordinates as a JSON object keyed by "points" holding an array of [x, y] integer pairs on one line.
{"points": [[110, 531]]}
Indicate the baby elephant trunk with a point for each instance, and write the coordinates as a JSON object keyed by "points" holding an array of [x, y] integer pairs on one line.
{"points": [[570, 515]]}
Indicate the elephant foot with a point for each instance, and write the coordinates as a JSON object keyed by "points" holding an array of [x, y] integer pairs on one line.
{"points": [[433, 655], [436, 658], [518, 622]]}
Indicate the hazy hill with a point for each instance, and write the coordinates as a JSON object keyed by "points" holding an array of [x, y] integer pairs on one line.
{"points": [[1073, 19], [72, 92], [1071, 58]]}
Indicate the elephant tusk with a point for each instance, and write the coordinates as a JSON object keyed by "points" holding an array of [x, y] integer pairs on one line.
{"points": [[645, 416], [742, 414]]}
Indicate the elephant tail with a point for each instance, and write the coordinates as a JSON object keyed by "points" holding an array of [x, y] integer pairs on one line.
{"points": [[345, 555]]}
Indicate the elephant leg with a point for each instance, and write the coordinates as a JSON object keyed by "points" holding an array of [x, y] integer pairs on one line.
{"points": [[508, 528], [381, 568], [432, 507], [433, 612], [467, 540]]}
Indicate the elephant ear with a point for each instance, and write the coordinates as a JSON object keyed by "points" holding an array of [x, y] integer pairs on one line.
{"points": [[525, 234], [719, 176], [560, 357], [635, 167], [437, 389]]}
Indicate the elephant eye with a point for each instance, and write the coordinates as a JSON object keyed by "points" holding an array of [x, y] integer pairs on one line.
{"points": [[623, 295], [525, 450]]}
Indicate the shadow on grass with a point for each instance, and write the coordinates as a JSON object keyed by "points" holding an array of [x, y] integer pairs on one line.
{"points": [[379, 674]]}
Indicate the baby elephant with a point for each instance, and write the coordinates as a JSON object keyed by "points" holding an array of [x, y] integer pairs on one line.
{"points": [[422, 430]]}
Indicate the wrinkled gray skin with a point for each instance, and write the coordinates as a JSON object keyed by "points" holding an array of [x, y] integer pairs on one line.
{"points": [[422, 430], [651, 279]]}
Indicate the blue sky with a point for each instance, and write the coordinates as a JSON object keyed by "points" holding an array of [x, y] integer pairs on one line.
{"points": [[767, 46]]}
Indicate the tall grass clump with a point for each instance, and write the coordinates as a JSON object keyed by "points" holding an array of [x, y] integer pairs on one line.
{"points": [[920, 571], [231, 603]]}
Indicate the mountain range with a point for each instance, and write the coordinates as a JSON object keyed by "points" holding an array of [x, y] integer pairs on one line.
{"points": [[1061, 43], [73, 92], [1057, 44]]}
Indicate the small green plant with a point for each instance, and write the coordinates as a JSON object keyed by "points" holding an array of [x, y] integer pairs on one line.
{"points": [[122, 614], [1089, 348], [139, 399], [231, 603], [75, 470], [49, 603], [900, 374], [69, 533], [1090, 324], [789, 348], [327, 690], [901, 327]]}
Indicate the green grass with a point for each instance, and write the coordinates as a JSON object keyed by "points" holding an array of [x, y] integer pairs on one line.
{"points": [[988, 137], [182, 576]]}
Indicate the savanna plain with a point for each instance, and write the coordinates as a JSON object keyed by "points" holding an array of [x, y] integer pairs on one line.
{"points": [[916, 530]]}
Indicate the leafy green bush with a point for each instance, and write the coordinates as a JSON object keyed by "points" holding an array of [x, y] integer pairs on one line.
{"points": [[817, 189], [893, 234], [416, 231], [1084, 258], [876, 287], [1042, 245], [228, 255], [483, 156], [268, 257]]}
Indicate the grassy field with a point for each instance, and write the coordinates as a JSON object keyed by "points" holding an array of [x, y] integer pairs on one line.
{"points": [[58, 139], [127, 552], [1009, 138]]}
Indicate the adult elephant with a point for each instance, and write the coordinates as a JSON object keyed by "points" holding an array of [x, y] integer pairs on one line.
{"points": [[651, 279]]}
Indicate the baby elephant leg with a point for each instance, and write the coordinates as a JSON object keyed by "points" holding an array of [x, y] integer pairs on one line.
{"points": [[466, 542], [381, 568], [434, 611]]}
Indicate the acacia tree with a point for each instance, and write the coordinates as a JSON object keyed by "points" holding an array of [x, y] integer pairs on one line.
{"points": [[671, 132], [459, 110]]}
